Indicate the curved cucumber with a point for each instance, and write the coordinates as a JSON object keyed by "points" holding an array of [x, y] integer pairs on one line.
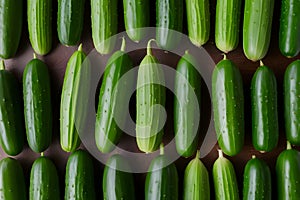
{"points": [[228, 106], [187, 105]]}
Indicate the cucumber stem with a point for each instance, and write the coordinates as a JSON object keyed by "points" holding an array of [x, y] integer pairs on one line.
{"points": [[161, 149], [198, 154], [288, 145], [2, 65], [80, 47], [42, 154], [186, 51], [224, 56], [34, 56], [261, 63], [220, 153], [123, 45], [149, 52], [253, 156]]}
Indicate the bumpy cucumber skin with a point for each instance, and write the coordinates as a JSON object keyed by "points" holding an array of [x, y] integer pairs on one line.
{"points": [[257, 180], [265, 131], [39, 17], [117, 184], [104, 24], [70, 21], [136, 17], [257, 28], [228, 107], [292, 102], [11, 18], [12, 181], [37, 105], [289, 29], [44, 182], [186, 109], [227, 24]]}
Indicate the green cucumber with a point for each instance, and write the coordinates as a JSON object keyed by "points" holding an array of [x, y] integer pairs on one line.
{"points": [[37, 105], [79, 182], [257, 26], [292, 102], [225, 182], [117, 184], [107, 132], [227, 24], [70, 21], [196, 180], [257, 180], [11, 18], [39, 17], [169, 19], [136, 17], [228, 106], [11, 113], [150, 102], [12, 181], [187, 105], [44, 182], [287, 173], [198, 21], [289, 29], [161, 179], [265, 131], [104, 24]]}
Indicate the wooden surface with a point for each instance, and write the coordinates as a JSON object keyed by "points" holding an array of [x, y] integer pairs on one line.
{"points": [[57, 59]]}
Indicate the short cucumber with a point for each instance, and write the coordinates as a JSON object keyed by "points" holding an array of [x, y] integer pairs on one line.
{"points": [[257, 180], [117, 184], [11, 18], [228, 106], [44, 182], [12, 181], [187, 99], [265, 131], [292, 102]]}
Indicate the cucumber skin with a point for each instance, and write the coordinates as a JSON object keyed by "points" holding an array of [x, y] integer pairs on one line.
{"points": [[136, 16], [11, 18], [12, 181], [39, 17], [257, 180], [70, 21], [186, 114], [227, 85], [79, 182], [287, 173], [44, 182], [256, 39], [122, 186], [265, 131], [292, 102], [37, 105], [289, 29]]}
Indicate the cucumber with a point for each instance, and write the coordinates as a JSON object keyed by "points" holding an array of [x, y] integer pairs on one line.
{"points": [[198, 21], [79, 182], [287, 173], [12, 181], [11, 113], [150, 102], [39, 17], [107, 132], [136, 17], [257, 180], [265, 131], [227, 24], [161, 179], [169, 19], [117, 184], [225, 182], [187, 105], [257, 26], [104, 24], [11, 18], [292, 102], [37, 105], [70, 21], [196, 180], [228, 106], [44, 182], [289, 29]]}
